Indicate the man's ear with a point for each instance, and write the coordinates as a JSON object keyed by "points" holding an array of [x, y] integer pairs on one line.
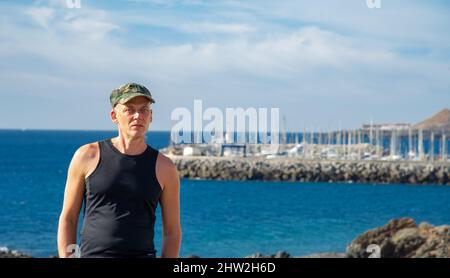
{"points": [[113, 116]]}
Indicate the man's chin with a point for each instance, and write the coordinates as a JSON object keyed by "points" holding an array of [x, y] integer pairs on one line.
{"points": [[137, 133]]}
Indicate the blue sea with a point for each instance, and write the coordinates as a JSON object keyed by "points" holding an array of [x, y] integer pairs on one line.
{"points": [[219, 218]]}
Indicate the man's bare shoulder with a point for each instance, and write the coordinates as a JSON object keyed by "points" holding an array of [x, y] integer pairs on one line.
{"points": [[166, 171], [87, 152], [165, 164], [83, 159]]}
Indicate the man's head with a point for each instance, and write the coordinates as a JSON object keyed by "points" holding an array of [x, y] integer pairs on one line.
{"points": [[131, 111]]}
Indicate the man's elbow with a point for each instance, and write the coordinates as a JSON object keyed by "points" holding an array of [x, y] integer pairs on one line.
{"points": [[173, 233], [68, 219]]}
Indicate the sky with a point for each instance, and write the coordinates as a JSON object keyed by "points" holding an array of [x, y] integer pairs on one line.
{"points": [[325, 64]]}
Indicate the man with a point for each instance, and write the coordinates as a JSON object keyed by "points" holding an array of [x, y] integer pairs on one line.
{"points": [[121, 181]]}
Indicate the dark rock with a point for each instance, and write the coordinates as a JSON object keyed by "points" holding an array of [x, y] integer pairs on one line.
{"points": [[278, 255], [6, 253], [402, 238], [192, 257], [326, 256]]}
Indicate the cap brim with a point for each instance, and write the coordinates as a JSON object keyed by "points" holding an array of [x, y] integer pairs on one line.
{"points": [[131, 96]]}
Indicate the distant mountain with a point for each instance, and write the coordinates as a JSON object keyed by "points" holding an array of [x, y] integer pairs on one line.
{"points": [[438, 122]]}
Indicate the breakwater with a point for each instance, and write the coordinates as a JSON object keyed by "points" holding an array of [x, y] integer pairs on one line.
{"points": [[296, 169]]}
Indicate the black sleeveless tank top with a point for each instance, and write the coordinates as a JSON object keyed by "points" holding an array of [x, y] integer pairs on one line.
{"points": [[120, 200]]}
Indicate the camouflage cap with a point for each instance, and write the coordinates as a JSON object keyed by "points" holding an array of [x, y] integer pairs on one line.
{"points": [[128, 91]]}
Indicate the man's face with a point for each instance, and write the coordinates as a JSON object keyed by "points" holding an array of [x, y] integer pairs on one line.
{"points": [[133, 117]]}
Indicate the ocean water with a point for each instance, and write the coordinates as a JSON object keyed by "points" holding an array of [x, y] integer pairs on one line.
{"points": [[219, 218]]}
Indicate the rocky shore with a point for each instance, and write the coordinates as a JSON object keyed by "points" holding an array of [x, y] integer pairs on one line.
{"points": [[403, 238], [399, 238], [294, 169], [6, 253]]}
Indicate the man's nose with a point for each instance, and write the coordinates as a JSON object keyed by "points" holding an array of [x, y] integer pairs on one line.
{"points": [[137, 114]]}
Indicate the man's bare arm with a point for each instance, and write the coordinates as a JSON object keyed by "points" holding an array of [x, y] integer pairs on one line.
{"points": [[73, 197], [167, 175]]}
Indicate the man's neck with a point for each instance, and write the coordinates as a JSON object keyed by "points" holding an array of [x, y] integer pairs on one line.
{"points": [[130, 146]]}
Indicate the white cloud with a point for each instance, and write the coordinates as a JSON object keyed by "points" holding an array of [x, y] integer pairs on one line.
{"points": [[88, 23], [93, 28], [41, 15], [210, 27]]}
